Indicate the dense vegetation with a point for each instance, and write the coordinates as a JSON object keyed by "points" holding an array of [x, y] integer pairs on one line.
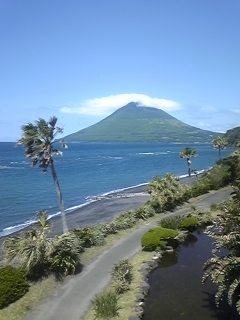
{"points": [[13, 285], [233, 136], [133, 123]]}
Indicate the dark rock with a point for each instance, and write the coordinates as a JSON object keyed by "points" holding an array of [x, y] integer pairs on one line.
{"points": [[152, 264], [134, 317], [140, 297], [144, 287], [139, 311]]}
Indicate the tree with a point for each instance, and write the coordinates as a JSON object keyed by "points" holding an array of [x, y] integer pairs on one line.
{"points": [[224, 269], [38, 139], [187, 154], [31, 249], [39, 254], [220, 144]]}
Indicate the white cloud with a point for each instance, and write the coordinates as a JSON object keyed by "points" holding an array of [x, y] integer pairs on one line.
{"points": [[106, 105], [204, 125], [208, 109], [237, 111]]}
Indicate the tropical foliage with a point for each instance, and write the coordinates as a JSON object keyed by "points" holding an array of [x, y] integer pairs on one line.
{"points": [[38, 142], [122, 276], [219, 143], [39, 254], [171, 222], [224, 270], [106, 305], [187, 154], [166, 193]]}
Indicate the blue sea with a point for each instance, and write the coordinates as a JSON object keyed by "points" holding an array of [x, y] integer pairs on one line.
{"points": [[85, 171]]}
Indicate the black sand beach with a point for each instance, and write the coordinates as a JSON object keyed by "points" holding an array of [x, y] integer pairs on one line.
{"points": [[103, 209]]}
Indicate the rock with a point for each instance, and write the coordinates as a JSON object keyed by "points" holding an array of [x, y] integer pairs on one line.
{"points": [[140, 297], [134, 317], [152, 264], [169, 249], [139, 311], [157, 256], [144, 288]]}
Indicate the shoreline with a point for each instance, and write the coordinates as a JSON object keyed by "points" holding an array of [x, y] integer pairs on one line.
{"points": [[102, 208]]}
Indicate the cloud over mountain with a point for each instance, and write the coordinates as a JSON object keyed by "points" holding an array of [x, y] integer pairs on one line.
{"points": [[106, 105]]}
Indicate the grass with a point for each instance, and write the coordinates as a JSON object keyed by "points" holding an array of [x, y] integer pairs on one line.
{"points": [[126, 300], [37, 292]]}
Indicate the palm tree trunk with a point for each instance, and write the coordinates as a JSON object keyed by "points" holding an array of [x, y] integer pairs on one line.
{"points": [[60, 198], [219, 151], [189, 169]]}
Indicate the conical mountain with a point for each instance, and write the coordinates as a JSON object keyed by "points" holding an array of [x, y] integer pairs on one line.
{"points": [[134, 123]]}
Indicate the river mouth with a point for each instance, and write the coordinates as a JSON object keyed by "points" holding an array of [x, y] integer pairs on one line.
{"points": [[176, 288]]}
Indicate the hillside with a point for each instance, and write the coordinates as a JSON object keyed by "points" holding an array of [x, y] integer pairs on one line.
{"points": [[133, 123], [233, 136]]}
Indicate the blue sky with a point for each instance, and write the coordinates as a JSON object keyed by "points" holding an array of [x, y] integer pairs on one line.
{"points": [[82, 59]]}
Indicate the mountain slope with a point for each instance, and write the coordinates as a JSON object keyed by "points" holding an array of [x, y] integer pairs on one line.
{"points": [[133, 123], [233, 136]]}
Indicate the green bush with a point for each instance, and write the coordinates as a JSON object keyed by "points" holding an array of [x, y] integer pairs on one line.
{"points": [[91, 236], [189, 223], [109, 228], [106, 305], [13, 285], [199, 188], [171, 222], [157, 238], [65, 257], [122, 275], [125, 221]]}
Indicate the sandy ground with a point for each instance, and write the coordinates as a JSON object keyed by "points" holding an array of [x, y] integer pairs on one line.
{"points": [[101, 210]]}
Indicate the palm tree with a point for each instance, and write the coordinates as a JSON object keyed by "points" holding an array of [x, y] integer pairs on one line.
{"points": [[31, 249], [38, 139], [220, 143], [39, 254], [187, 154]]}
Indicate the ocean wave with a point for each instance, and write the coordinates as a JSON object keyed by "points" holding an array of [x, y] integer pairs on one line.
{"points": [[154, 153], [89, 200]]}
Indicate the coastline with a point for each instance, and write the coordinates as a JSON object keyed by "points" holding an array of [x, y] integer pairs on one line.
{"points": [[101, 208]]}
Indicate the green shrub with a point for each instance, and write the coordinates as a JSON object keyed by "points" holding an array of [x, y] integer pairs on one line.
{"points": [[199, 188], [151, 239], [125, 221], [171, 222], [65, 257], [122, 275], [13, 285], [189, 223], [90, 236], [105, 305], [109, 228]]}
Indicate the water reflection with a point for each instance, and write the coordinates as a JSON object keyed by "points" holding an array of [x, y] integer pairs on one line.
{"points": [[176, 288]]}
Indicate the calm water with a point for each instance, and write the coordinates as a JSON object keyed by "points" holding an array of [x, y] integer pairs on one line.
{"points": [[84, 171], [176, 289]]}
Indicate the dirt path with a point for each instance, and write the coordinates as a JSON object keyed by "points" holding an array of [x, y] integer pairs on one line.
{"points": [[72, 300]]}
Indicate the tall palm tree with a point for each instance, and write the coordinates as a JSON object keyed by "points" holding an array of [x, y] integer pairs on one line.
{"points": [[187, 154], [219, 143], [38, 139]]}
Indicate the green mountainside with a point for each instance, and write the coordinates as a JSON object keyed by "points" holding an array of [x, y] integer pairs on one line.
{"points": [[133, 123], [233, 136]]}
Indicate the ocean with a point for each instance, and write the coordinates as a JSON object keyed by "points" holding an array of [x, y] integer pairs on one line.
{"points": [[84, 172]]}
